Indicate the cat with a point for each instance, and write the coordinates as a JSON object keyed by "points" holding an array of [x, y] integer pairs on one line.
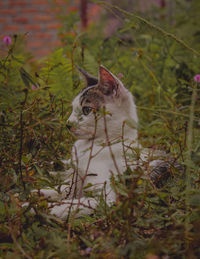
{"points": [[104, 120]]}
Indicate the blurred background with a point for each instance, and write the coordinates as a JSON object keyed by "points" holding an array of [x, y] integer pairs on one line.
{"points": [[44, 22]]}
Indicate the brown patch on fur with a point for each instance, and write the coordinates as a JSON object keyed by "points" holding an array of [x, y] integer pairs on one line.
{"points": [[92, 97]]}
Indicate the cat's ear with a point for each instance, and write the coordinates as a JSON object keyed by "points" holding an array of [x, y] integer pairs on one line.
{"points": [[109, 84], [90, 80]]}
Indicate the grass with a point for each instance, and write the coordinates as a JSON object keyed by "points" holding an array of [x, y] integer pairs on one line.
{"points": [[158, 67]]}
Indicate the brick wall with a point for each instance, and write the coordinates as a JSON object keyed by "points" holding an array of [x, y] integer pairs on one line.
{"points": [[38, 20], [35, 18]]}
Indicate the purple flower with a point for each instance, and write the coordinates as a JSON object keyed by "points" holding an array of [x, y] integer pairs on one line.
{"points": [[120, 75], [33, 87], [88, 250], [7, 40], [197, 78]]}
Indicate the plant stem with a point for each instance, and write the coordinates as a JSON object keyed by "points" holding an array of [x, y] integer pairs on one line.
{"points": [[21, 137], [149, 24], [189, 142]]}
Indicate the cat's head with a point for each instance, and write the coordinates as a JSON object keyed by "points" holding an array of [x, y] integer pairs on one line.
{"points": [[103, 103]]}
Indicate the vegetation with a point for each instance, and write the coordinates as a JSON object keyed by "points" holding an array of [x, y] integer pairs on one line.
{"points": [[157, 57]]}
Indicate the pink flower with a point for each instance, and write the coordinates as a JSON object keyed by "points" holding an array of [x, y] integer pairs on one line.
{"points": [[197, 78], [7, 40], [88, 250], [120, 75], [33, 87]]}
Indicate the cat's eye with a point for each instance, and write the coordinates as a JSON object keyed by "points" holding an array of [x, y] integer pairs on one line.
{"points": [[86, 110]]}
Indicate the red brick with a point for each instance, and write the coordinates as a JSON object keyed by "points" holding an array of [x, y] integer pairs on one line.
{"points": [[8, 11], [17, 3], [53, 26], [3, 20], [35, 44], [54, 43], [72, 9], [42, 18], [20, 20], [40, 2], [32, 27], [53, 9], [11, 28], [60, 1], [57, 9], [42, 35], [26, 11], [42, 52]]}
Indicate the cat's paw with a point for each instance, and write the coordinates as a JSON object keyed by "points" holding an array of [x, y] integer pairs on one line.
{"points": [[56, 194], [61, 211]]}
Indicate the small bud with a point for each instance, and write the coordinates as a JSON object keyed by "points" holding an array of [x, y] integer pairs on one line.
{"points": [[7, 40], [120, 75], [197, 78], [33, 87], [88, 250]]}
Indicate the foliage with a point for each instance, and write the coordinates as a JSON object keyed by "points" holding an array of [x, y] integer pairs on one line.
{"points": [[35, 104]]}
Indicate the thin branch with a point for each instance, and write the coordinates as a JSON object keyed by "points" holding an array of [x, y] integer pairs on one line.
{"points": [[189, 142], [123, 146], [151, 25], [108, 142], [21, 137]]}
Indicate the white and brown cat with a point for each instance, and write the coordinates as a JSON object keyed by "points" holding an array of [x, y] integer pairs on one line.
{"points": [[102, 120]]}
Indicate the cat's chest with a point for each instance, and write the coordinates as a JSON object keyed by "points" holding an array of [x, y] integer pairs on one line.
{"points": [[98, 160]]}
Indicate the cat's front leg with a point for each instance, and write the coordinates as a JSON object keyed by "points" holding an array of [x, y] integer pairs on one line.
{"points": [[82, 206], [66, 189], [59, 193]]}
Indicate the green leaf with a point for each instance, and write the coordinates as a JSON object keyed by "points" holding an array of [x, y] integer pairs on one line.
{"points": [[27, 78], [195, 200]]}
